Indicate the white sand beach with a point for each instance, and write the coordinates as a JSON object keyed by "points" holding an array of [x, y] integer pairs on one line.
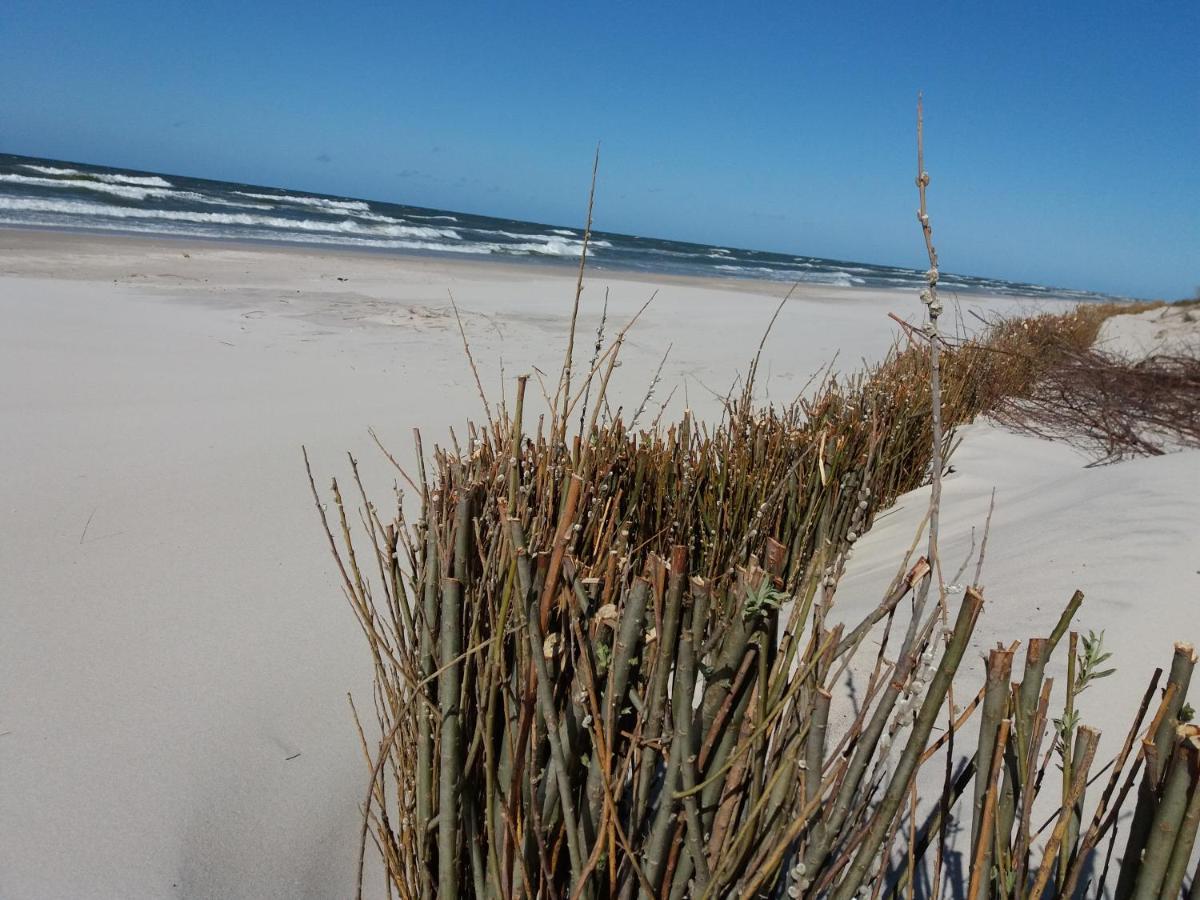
{"points": [[175, 655]]}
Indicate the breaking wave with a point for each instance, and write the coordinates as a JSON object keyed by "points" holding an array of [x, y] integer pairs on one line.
{"points": [[126, 191], [835, 277], [106, 177], [84, 208], [354, 206]]}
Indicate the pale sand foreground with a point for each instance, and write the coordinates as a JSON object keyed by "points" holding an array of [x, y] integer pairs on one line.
{"points": [[174, 652]]}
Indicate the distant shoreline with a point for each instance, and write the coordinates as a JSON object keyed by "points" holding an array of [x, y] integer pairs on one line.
{"points": [[131, 237], [18, 239]]}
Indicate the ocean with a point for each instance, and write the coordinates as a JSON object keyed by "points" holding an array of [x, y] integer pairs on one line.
{"points": [[45, 193]]}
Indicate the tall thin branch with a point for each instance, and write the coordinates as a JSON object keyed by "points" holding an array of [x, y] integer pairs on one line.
{"points": [[933, 305], [930, 298], [565, 383]]}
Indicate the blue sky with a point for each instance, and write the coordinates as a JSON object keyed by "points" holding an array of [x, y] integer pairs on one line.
{"points": [[1062, 138]]}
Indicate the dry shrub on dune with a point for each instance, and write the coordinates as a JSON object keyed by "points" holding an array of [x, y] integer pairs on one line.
{"points": [[1110, 406]]}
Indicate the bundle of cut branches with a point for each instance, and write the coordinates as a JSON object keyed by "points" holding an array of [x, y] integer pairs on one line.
{"points": [[605, 663], [607, 660]]}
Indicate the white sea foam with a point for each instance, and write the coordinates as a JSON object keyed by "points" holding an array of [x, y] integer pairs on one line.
{"points": [[349, 206], [183, 229], [547, 247], [106, 177], [662, 251], [835, 277], [563, 232], [359, 209], [128, 192], [36, 212], [434, 218], [125, 191], [551, 244], [264, 234], [85, 209]]}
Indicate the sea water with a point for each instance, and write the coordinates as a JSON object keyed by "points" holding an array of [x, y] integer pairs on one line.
{"points": [[50, 194]]}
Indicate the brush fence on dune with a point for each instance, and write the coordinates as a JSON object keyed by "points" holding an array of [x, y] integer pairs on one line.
{"points": [[605, 661]]}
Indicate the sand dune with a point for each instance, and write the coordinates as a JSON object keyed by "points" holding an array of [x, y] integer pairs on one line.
{"points": [[174, 655]]}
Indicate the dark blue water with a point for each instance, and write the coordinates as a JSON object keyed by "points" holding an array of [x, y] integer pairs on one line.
{"points": [[52, 194]]}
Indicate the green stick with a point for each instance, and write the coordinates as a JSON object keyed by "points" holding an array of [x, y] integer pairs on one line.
{"points": [[1186, 838], [426, 772], [451, 740], [1182, 663], [1168, 818], [995, 702], [968, 614]]}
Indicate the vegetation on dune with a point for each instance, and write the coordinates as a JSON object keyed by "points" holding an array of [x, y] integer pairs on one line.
{"points": [[1110, 406], [606, 657]]}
